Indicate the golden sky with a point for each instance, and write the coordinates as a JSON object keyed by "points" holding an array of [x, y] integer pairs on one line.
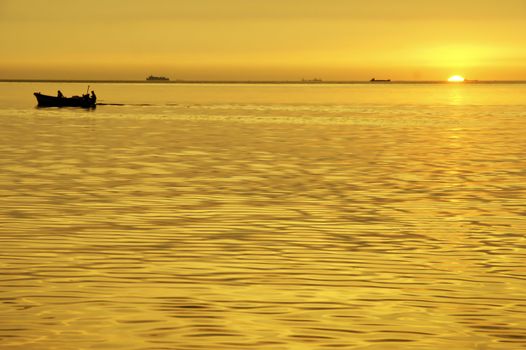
{"points": [[263, 39]]}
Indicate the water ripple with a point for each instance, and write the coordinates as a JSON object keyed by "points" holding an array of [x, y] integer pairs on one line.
{"points": [[184, 233]]}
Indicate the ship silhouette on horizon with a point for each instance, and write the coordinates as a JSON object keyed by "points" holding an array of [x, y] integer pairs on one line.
{"points": [[374, 80], [154, 78]]}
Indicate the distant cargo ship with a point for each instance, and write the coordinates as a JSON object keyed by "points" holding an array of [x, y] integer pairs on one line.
{"points": [[151, 77], [374, 80]]}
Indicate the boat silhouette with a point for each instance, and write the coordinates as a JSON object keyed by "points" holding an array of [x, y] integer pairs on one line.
{"points": [[84, 101]]}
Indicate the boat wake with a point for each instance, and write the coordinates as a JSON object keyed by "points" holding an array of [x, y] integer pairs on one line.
{"points": [[124, 104]]}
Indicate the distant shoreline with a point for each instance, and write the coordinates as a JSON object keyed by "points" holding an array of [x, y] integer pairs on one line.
{"points": [[275, 82]]}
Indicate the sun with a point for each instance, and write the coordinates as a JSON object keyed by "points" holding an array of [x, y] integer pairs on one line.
{"points": [[456, 79]]}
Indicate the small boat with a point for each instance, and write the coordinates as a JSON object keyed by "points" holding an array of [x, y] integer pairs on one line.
{"points": [[374, 80], [84, 101]]}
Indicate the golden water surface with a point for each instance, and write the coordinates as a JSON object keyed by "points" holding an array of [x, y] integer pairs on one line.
{"points": [[250, 217]]}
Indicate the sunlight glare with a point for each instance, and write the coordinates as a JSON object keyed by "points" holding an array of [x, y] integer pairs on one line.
{"points": [[456, 79]]}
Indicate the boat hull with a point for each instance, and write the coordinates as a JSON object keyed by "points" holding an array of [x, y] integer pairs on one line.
{"points": [[54, 101]]}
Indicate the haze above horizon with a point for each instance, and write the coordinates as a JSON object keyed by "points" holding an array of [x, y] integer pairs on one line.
{"points": [[271, 40]]}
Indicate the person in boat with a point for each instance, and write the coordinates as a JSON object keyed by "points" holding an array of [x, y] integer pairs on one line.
{"points": [[93, 96], [59, 94]]}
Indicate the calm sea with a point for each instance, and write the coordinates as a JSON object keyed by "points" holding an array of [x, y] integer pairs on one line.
{"points": [[272, 217]]}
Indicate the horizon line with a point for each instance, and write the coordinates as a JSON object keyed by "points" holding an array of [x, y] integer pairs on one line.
{"points": [[225, 81]]}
